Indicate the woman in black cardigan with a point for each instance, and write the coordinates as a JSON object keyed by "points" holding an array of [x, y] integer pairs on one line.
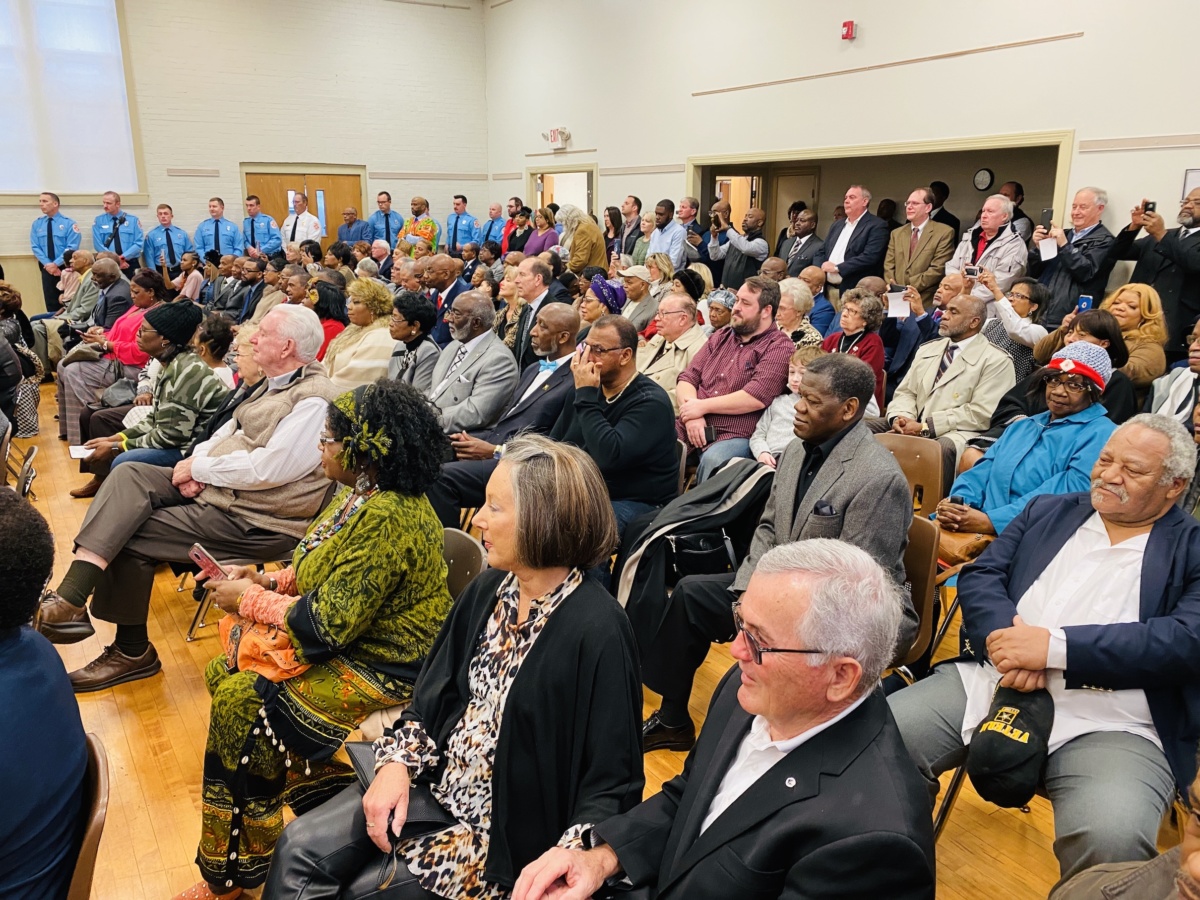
{"points": [[525, 721]]}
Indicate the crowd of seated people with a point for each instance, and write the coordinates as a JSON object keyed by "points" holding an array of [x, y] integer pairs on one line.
{"points": [[275, 399]]}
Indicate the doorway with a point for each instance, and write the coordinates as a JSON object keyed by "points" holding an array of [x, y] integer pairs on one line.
{"points": [[742, 192], [329, 193], [575, 185]]}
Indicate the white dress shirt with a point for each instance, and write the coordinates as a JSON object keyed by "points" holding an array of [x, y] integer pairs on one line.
{"points": [[757, 754], [1023, 331], [1090, 582], [452, 372], [539, 379], [291, 452], [308, 229], [837, 255]]}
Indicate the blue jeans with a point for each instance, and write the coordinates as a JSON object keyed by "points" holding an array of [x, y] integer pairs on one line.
{"points": [[1108, 789], [719, 453], [146, 455], [46, 315]]}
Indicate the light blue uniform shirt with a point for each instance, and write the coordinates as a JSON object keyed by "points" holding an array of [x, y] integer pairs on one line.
{"points": [[359, 231], [231, 237], [156, 246], [132, 237], [492, 230], [267, 236], [461, 228], [386, 231], [1035, 456], [66, 237]]}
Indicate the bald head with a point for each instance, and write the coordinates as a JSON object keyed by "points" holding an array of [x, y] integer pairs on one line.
{"points": [[560, 322], [773, 267], [754, 219], [105, 272], [814, 277], [440, 272], [874, 284]]}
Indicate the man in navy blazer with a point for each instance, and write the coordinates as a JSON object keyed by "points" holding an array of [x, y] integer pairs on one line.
{"points": [[440, 276], [1095, 597], [856, 246], [537, 402]]}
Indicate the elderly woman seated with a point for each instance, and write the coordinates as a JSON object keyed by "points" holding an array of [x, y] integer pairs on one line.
{"points": [[795, 303], [862, 314], [524, 726], [602, 298], [361, 604], [1049, 453], [361, 353], [414, 354]]}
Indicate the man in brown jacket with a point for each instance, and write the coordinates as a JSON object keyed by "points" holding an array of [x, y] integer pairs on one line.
{"points": [[248, 492], [918, 252]]}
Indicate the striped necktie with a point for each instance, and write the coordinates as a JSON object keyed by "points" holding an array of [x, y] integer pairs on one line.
{"points": [[947, 359]]}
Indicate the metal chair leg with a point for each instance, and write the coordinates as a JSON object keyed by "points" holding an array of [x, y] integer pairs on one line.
{"points": [[182, 586], [947, 804], [202, 609], [946, 620]]}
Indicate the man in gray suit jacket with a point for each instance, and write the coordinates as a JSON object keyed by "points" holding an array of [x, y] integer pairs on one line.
{"points": [[475, 375], [836, 481]]}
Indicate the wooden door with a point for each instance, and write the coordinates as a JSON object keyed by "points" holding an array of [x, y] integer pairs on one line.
{"points": [[787, 188], [327, 196]]}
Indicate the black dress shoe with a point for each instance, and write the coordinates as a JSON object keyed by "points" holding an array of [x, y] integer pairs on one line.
{"points": [[657, 735]]}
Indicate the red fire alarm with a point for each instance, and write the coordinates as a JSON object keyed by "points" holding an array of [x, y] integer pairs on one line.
{"points": [[848, 30]]}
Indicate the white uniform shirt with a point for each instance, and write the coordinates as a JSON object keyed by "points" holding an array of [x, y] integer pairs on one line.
{"points": [[308, 228]]}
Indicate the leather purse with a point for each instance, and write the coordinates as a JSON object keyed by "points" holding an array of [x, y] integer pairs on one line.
{"points": [[957, 547]]}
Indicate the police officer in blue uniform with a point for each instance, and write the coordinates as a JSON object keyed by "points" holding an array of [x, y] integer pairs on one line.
{"points": [[166, 243], [50, 235], [386, 224], [218, 233], [261, 234], [119, 232]]}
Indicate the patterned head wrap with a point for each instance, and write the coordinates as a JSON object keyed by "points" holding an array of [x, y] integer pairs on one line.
{"points": [[609, 293], [363, 439]]}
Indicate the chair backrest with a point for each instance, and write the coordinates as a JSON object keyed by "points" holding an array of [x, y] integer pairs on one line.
{"points": [[920, 572], [681, 451], [465, 558], [94, 812], [921, 461]]}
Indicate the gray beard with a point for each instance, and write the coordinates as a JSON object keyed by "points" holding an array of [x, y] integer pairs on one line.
{"points": [[1186, 220]]}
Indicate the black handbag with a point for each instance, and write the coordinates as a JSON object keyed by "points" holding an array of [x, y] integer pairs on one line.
{"points": [[425, 814], [703, 553]]}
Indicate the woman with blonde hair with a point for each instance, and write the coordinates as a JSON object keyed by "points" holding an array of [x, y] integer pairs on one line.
{"points": [[509, 314], [642, 245], [583, 238], [1139, 311], [662, 271], [360, 354]]}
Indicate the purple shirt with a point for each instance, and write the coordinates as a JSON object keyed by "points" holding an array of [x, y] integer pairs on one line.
{"points": [[539, 242]]}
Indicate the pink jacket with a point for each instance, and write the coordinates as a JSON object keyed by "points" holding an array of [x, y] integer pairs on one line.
{"points": [[123, 337]]}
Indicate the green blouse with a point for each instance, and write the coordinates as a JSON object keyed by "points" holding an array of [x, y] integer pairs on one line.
{"points": [[375, 589]]}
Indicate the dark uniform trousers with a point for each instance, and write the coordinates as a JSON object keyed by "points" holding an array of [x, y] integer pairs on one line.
{"points": [[139, 520]]}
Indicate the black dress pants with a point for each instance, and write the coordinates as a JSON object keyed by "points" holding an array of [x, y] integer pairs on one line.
{"points": [[326, 855], [462, 484], [50, 291], [699, 611]]}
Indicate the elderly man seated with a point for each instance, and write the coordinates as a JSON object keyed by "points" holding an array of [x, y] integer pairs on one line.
{"points": [[953, 384], [1096, 598], [249, 491], [475, 375], [799, 785], [676, 342]]}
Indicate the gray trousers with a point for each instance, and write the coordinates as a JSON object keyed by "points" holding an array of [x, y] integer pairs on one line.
{"points": [[139, 520], [1108, 789]]}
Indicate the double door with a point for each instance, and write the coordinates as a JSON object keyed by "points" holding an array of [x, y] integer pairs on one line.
{"points": [[328, 197]]}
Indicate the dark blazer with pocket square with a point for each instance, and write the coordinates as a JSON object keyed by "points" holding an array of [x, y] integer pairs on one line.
{"points": [[536, 413], [845, 815], [872, 509]]}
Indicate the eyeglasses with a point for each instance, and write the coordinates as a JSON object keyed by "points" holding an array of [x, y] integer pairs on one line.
{"points": [[756, 649], [662, 313], [597, 351], [1073, 386], [453, 313], [1013, 295], [323, 438]]}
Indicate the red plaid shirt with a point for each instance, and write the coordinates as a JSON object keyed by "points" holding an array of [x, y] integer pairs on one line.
{"points": [[726, 365]]}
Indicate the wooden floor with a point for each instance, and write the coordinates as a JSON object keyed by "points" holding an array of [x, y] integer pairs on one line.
{"points": [[154, 733]]}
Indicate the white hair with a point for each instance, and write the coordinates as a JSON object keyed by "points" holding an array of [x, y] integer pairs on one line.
{"points": [[854, 607], [299, 324], [1100, 194], [569, 216], [801, 294], [380, 242], [1006, 205], [1180, 461], [367, 267]]}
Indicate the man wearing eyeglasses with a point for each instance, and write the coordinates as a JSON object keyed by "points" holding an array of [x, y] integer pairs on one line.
{"points": [[799, 784], [677, 340], [1169, 261], [836, 481]]}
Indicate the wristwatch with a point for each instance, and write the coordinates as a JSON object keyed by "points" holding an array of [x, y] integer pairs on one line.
{"points": [[272, 584], [924, 429], [498, 453]]}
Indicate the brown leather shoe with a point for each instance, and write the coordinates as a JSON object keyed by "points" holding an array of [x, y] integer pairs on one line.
{"points": [[112, 667], [88, 490], [62, 622]]}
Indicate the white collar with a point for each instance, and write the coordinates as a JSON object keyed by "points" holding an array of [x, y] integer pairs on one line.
{"points": [[474, 342], [760, 732]]}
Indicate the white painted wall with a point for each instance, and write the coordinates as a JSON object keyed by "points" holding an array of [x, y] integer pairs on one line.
{"points": [[624, 72]]}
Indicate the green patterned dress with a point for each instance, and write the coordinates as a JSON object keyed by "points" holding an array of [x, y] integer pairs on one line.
{"points": [[372, 581]]}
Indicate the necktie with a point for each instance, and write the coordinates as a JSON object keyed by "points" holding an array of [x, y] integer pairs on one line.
{"points": [[217, 235], [458, 358], [947, 359], [170, 248], [547, 365], [912, 243], [795, 251], [50, 239], [253, 242], [387, 230], [295, 224], [454, 235], [117, 236]]}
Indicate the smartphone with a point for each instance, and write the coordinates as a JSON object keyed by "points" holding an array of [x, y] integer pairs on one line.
{"points": [[1047, 219], [209, 567], [957, 500], [1084, 304], [972, 271], [896, 289], [715, 219], [1151, 206], [710, 434]]}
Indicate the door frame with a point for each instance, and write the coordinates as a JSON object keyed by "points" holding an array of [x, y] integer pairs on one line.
{"points": [[532, 172], [1064, 140], [256, 168]]}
